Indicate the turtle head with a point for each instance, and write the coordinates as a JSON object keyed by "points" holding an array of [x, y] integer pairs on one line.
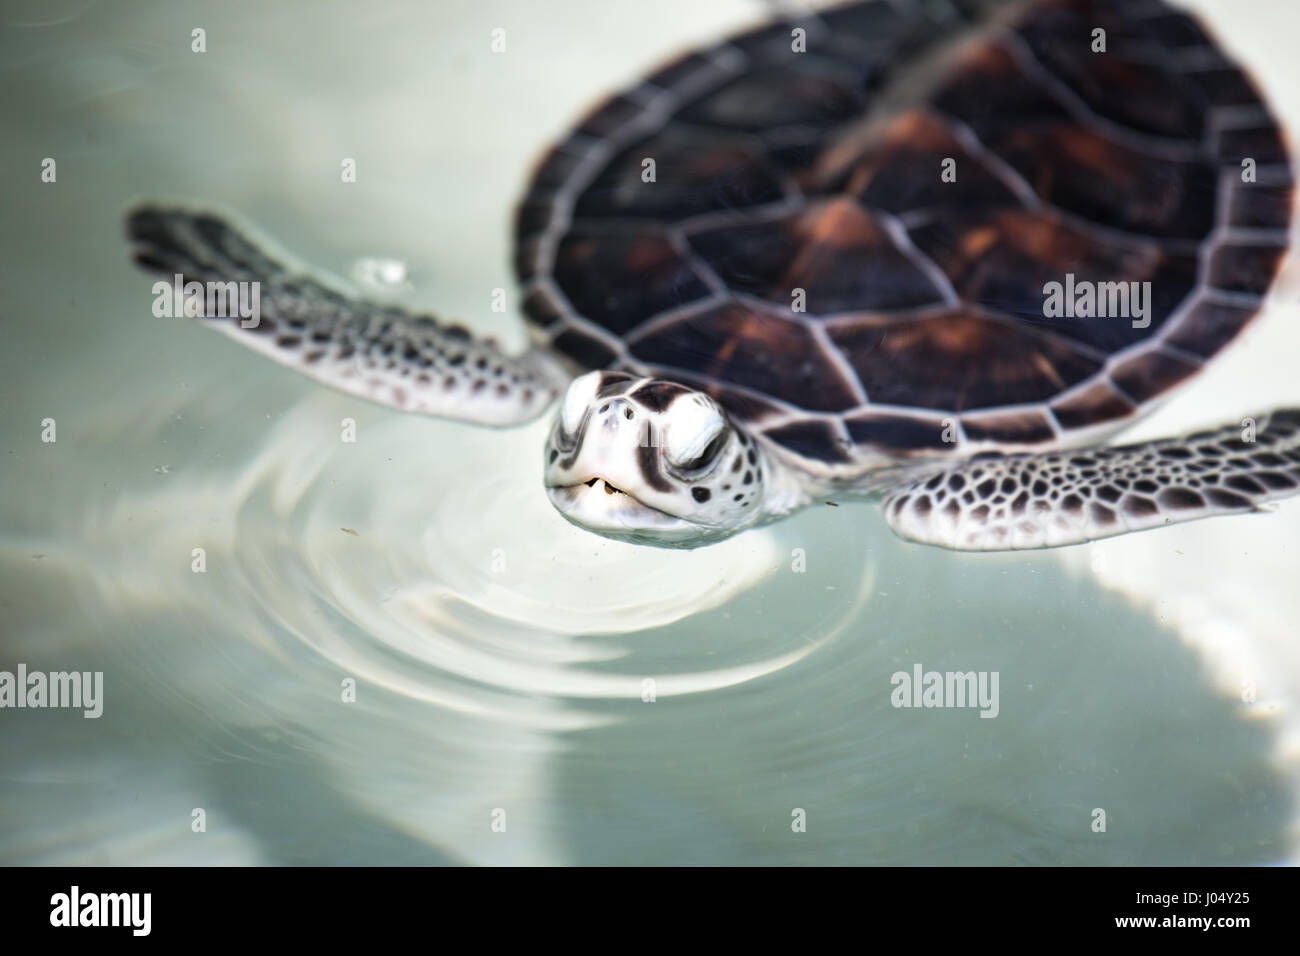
{"points": [[652, 462]]}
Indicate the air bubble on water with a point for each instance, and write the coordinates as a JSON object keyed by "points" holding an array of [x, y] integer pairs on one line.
{"points": [[380, 273]]}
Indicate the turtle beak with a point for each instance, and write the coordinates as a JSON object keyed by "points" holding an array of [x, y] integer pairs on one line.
{"points": [[602, 484], [598, 482], [600, 506], [607, 465]]}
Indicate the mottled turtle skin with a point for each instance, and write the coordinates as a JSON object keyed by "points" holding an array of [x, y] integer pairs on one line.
{"points": [[819, 171]]}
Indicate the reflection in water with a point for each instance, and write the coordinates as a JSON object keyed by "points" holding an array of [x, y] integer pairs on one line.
{"points": [[501, 659], [467, 612], [458, 586]]}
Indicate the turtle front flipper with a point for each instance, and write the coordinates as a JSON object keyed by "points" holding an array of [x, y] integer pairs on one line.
{"points": [[381, 353], [1069, 497]]}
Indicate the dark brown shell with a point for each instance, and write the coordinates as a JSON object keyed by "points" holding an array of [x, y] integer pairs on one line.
{"points": [[778, 171]]}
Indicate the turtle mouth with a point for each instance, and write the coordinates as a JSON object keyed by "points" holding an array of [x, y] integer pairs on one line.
{"points": [[609, 489], [598, 504]]}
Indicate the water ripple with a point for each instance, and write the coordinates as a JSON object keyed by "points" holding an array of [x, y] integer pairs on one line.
{"points": [[424, 559]]}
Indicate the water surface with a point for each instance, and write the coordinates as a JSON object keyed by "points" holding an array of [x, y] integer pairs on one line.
{"points": [[619, 704]]}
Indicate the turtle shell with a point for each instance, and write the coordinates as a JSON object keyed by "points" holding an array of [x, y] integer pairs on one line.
{"points": [[847, 227]]}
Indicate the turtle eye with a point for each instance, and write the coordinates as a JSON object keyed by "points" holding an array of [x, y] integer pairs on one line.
{"points": [[697, 432], [707, 456], [577, 399]]}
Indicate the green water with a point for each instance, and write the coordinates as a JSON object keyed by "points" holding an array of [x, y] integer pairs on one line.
{"points": [[500, 657]]}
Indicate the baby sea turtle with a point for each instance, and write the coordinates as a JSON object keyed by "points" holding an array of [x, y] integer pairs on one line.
{"points": [[878, 250]]}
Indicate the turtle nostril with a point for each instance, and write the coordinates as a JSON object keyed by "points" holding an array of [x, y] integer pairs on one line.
{"points": [[604, 408], [627, 413]]}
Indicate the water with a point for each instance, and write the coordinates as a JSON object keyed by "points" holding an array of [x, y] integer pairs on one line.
{"points": [[619, 704]]}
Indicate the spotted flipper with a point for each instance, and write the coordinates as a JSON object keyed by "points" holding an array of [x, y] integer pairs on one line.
{"points": [[381, 353], [1068, 497]]}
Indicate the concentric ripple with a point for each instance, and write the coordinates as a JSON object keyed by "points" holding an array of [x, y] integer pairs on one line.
{"points": [[423, 557]]}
